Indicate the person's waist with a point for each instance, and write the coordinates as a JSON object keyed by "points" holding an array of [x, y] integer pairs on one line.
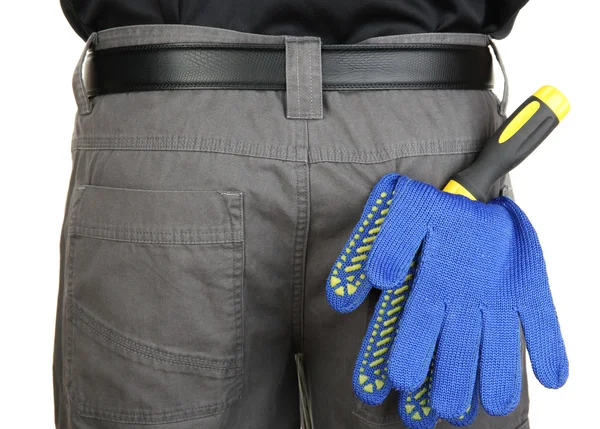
{"points": [[144, 58]]}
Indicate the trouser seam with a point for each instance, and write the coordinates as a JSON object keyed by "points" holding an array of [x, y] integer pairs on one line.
{"points": [[523, 425], [301, 233]]}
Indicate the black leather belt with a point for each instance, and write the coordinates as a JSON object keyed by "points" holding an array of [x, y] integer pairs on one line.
{"points": [[344, 67]]}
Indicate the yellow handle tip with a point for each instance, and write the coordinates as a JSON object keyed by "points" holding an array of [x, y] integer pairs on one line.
{"points": [[555, 100], [453, 187]]}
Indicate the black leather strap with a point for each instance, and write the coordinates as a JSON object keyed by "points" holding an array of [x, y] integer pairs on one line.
{"points": [[344, 67]]}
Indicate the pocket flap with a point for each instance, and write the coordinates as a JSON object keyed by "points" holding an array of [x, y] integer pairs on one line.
{"points": [[149, 216]]}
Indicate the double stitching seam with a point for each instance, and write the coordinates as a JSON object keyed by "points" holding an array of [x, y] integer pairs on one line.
{"points": [[320, 77], [127, 344], [198, 243], [80, 86], [237, 289], [174, 143], [315, 50], [311, 80], [300, 242], [158, 237], [300, 112], [426, 147], [133, 417], [297, 65], [281, 87], [80, 89], [74, 211], [206, 232], [280, 46]]}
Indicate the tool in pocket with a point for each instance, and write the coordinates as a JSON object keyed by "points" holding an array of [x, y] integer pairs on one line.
{"points": [[479, 272]]}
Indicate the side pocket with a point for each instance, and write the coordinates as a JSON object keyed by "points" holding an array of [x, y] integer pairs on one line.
{"points": [[154, 303]]}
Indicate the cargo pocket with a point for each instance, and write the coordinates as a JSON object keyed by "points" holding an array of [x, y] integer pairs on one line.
{"points": [[154, 303]]}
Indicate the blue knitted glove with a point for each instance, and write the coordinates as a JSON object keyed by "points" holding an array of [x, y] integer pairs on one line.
{"points": [[348, 286], [480, 272]]}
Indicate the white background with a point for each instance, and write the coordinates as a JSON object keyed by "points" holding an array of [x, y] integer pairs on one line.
{"points": [[552, 43]]}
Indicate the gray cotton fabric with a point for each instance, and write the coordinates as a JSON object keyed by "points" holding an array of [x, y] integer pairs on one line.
{"points": [[200, 228]]}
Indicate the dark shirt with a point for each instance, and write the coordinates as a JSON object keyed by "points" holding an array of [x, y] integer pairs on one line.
{"points": [[335, 21]]}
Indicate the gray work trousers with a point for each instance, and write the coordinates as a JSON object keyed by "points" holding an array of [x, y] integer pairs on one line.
{"points": [[200, 229]]}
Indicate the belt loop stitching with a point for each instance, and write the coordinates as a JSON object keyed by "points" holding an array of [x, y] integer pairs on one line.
{"points": [[304, 101], [298, 112], [84, 105], [504, 102], [311, 84], [288, 69], [319, 92]]}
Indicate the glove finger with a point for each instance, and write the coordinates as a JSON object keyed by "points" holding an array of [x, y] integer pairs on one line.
{"points": [[400, 236], [456, 360], [536, 309], [417, 335], [371, 381], [545, 345], [416, 411], [415, 407], [347, 285], [500, 366], [471, 413]]}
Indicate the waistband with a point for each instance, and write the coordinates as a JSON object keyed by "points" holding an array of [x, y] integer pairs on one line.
{"points": [[167, 57], [137, 35]]}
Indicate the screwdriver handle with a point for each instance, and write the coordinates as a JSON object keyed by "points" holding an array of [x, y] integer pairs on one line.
{"points": [[518, 136]]}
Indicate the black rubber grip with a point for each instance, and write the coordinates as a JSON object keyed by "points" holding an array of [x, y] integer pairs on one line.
{"points": [[497, 159]]}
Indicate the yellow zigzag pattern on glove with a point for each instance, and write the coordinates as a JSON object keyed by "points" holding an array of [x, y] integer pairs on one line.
{"points": [[382, 337], [418, 405], [350, 283], [346, 282]]}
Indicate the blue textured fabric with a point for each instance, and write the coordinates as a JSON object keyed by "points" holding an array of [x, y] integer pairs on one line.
{"points": [[347, 288], [480, 273]]}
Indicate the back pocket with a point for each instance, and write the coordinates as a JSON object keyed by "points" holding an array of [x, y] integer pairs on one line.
{"points": [[154, 296]]}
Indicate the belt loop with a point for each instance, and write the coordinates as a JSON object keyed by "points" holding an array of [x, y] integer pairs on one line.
{"points": [[304, 79], [504, 102], [84, 104]]}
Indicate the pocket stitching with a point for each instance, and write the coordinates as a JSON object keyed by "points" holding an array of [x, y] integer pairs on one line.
{"points": [[134, 417], [136, 347], [70, 337], [238, 273], [76, 232], [186, 235], [235, 391], [154, 232]]}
